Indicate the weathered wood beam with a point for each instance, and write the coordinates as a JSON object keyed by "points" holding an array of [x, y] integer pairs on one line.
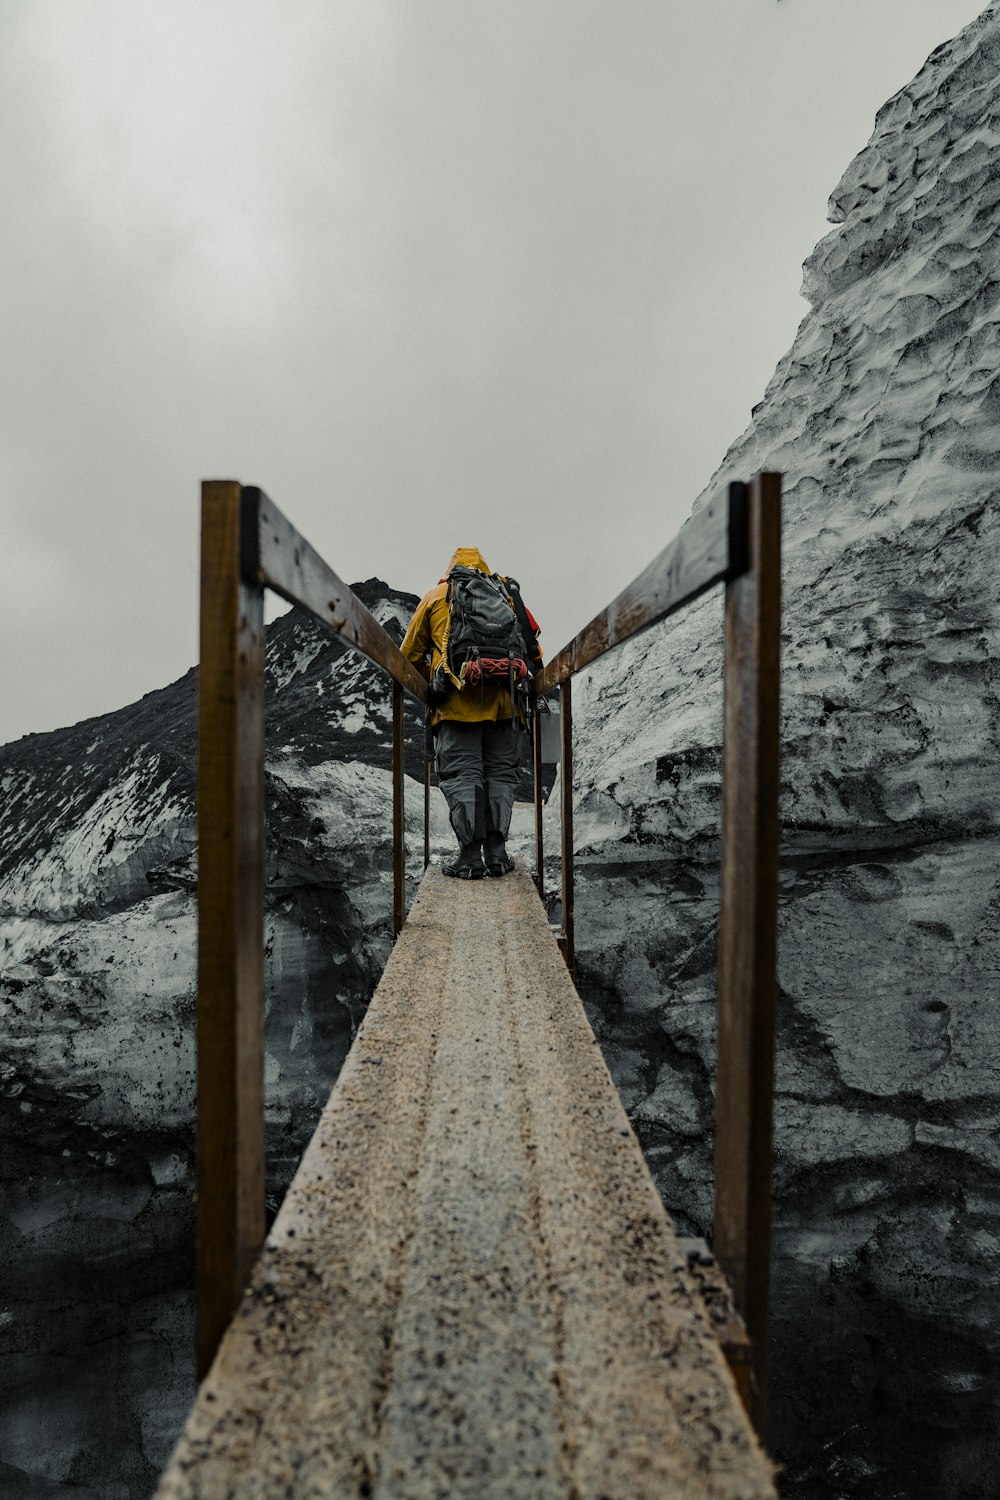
{"points": [[568, 942], [710, 547], [472, 1288], [428, 756], [747, 981], [398, 815], [536, 768], [284, 561], [230, 1220]]}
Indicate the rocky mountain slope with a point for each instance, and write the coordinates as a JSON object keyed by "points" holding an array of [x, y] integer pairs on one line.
{"points": [[885, 419], [97, 998]]}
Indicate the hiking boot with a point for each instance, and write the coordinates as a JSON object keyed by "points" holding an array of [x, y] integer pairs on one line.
{"points": [[498, 861], [468, 865]]}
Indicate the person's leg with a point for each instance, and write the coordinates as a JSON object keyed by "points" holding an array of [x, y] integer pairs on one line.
{"points": [[459, 752], [502, 747]]}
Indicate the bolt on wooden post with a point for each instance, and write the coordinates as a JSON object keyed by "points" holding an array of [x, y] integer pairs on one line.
{"points": [[747, 979], [230, 1220]]}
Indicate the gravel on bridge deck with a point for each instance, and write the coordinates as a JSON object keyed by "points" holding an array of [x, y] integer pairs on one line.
{"points": [[471, 1290]]}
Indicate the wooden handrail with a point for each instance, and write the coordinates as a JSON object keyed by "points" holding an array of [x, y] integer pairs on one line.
{"points": [[279, 558], [735, 540], [248, 545], [709, 549]]}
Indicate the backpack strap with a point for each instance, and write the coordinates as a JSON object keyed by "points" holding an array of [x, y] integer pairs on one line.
{"points": [[446, 644], [529, 629]]}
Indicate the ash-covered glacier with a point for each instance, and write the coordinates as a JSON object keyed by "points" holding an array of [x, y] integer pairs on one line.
{"points": [[97, 1002], [885, 418]]}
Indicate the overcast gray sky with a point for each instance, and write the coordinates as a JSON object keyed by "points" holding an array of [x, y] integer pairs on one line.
{"points": [[504, 273]]}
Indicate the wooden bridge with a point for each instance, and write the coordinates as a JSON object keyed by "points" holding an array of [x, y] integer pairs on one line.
{"points": [[472, 1288]]}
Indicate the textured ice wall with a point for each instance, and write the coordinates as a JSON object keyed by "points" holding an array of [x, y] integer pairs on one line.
{"points": [[885, 418]]}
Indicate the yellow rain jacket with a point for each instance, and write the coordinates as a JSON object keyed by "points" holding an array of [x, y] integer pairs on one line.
{"points": [[425, 641]]}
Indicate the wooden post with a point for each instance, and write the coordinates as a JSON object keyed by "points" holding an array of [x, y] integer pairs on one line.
{"points": [[566, 808], [230, 1227], [747, 979], [398, 827], [428, 743], [536, 767]]}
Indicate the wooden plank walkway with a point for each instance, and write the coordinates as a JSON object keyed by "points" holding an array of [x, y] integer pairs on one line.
{"points": [[472, 1289]]}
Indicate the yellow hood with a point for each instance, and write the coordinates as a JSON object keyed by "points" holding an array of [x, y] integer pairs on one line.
{"points": [[468, 557]]}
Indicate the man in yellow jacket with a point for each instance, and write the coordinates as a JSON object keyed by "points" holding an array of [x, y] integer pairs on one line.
{"points": [[476, 732]]}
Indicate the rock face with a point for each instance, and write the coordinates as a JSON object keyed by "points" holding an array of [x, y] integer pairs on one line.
{"points": [[885, 419], [97, 1002]]}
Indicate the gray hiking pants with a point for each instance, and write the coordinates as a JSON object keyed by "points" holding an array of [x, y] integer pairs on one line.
{"points": [[479, 768]]}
